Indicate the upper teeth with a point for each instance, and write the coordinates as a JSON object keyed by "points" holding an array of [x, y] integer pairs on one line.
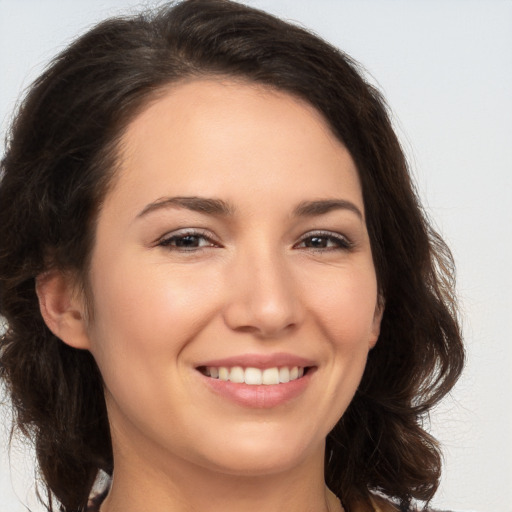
{"points": [[255, 376]]}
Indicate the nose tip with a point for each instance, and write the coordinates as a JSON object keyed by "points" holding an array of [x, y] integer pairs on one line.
{"points": [[263, 301], [268, 318]]}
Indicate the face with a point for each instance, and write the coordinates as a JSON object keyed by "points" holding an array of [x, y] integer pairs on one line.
{"points": [[233, 289]]}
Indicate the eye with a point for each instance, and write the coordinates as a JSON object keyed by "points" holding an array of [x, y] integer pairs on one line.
{"points": [[187, 240], [323, 241]]}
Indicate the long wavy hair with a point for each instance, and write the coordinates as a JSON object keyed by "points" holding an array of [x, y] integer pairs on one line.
{"points": [[60, 160]]}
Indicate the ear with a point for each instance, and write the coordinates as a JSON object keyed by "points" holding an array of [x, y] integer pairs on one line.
{"points": [[377, 319], [62, 308]]}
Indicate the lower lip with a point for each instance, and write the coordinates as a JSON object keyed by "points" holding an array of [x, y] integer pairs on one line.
{"points": [[259, 396]]}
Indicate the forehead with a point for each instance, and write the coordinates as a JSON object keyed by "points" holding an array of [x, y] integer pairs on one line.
{"points": [[203, 137]]}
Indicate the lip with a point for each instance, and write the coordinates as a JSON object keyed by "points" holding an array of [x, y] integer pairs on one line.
{"points": [[260, 361], [259, 396]]}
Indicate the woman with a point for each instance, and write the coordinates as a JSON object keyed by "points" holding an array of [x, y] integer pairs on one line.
{"points": [[220, 288]]}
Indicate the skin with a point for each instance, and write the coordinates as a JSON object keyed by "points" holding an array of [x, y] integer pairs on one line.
{"points": [[254, 281]]}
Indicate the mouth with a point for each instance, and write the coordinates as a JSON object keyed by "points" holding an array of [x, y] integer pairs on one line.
{"points": [[255, 376], [259, 381]]}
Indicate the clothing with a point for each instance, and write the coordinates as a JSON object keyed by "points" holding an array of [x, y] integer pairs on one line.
{"points": [[96, 501]]}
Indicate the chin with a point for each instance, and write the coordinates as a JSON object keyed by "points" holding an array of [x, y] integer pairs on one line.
{"points": [[259, 455]]}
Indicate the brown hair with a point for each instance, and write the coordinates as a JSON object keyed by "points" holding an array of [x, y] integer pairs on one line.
{"points": [[60, 158]]}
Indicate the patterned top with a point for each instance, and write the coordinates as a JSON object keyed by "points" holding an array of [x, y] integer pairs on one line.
{"points": [[96, 501]]}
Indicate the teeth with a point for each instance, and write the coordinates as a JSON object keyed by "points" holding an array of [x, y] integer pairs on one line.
{"points": [[284, 374], [270, 376], [255, 376], [223, 373], [237, 374]]}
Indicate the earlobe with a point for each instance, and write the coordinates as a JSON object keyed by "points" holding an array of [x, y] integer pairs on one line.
{"points": [[62, 309], [377, 319]]}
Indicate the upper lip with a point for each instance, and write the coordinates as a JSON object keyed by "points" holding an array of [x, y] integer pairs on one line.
{"points": [[260, 361]]}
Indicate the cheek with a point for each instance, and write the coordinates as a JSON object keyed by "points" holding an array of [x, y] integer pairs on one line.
{"points": [[143, 316], [141, 323], [131, 298], [344, 304], [346, 314]]}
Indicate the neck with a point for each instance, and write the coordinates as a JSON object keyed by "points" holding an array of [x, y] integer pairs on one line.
{"points": [[145, 483]]}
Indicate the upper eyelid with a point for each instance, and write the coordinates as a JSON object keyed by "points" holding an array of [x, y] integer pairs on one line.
{"points": [[187, 232], [326, 233]]}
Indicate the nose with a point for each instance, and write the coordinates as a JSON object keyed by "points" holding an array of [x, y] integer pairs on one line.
{"points": [[263, 298]]}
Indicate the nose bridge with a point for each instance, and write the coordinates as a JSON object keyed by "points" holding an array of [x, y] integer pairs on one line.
{"points": [[262, 295]]}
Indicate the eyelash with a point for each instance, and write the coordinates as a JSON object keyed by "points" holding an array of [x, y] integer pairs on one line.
{"points": [[170, 241], [340, 242]]}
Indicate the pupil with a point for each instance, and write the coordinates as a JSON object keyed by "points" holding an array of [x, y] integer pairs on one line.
{"points": [[317, 241], [187, 241]]}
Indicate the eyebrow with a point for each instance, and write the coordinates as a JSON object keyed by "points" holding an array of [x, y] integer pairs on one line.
{"points": [[196, 204], [323, 206], [222, 208]]}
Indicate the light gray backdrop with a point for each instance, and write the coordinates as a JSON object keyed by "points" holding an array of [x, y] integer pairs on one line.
{"points": [[446, 68]]}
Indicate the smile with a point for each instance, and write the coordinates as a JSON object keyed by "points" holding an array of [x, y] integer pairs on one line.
{"points": [[254, 376]]}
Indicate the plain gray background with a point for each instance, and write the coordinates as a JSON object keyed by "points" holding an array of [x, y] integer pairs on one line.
{"points": [[445, 67]]}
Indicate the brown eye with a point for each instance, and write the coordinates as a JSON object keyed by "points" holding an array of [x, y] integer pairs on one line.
{"points": [[327, 241], [317, 242], [187, 241]]}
